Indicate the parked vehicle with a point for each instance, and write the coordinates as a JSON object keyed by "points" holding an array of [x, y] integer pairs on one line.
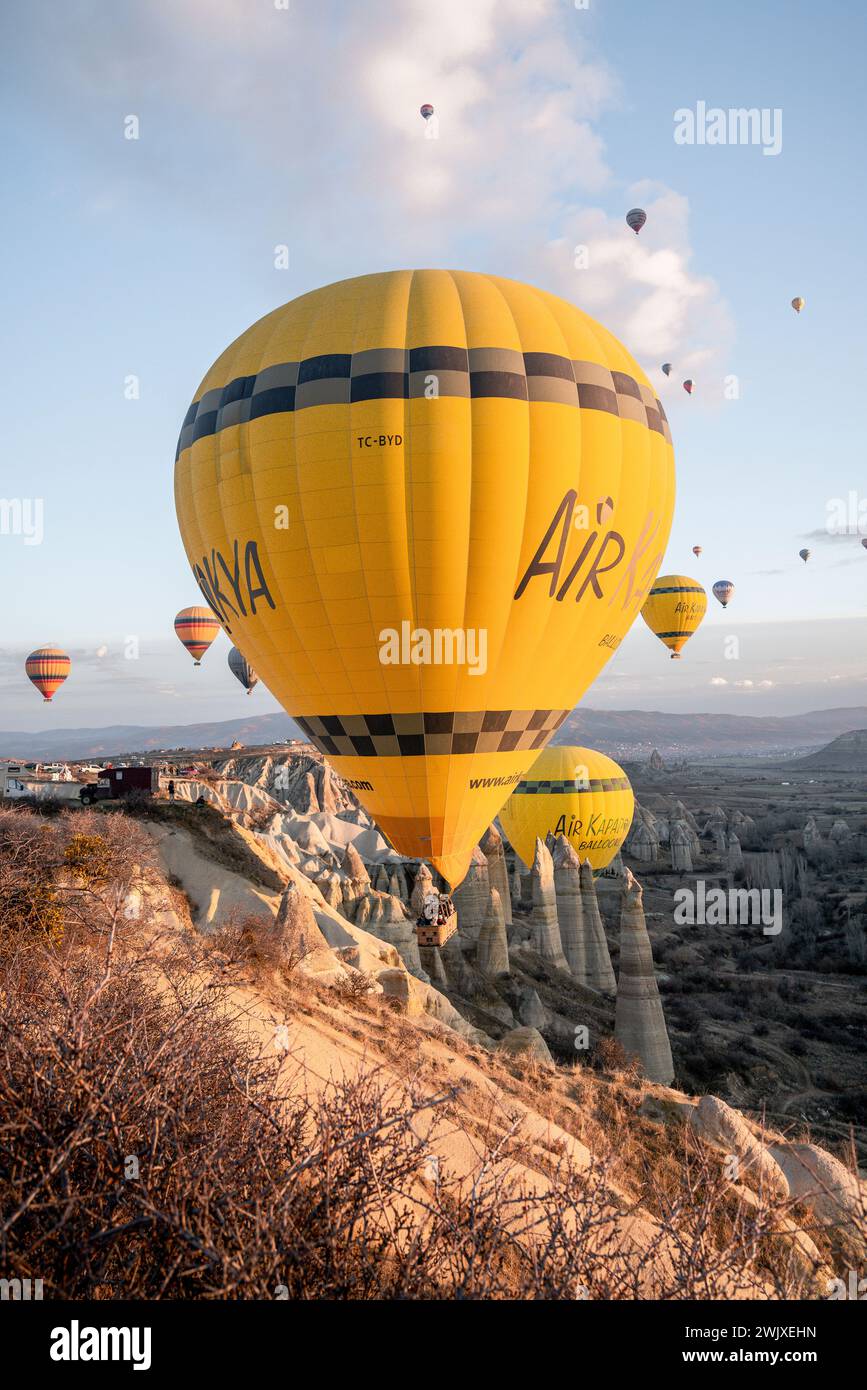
{"points": [[115, 783]]}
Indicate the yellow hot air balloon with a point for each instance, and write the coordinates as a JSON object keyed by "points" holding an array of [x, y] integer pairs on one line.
{"points": [[575, 792], [674, 610], [798, 303], [427, 505]]}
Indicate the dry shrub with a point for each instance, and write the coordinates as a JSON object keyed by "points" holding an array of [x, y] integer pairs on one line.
{"points": [[149, 1150]]}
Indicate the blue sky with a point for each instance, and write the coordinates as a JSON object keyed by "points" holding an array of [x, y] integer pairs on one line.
{"points": [[262, 127]]}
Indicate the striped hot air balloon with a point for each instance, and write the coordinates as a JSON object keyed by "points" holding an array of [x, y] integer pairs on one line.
{"points": [[696, 550], [197, 628], [723, 590], [47, 668], [240, 667], [805, 555], [636, 218], [689, 386], [674, 609], [403, 530], [427, 110], [575, 792]]}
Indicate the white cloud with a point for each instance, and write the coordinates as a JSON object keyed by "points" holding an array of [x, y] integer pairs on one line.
{"points": [[311, 116]]}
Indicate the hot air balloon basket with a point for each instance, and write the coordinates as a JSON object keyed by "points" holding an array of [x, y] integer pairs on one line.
{"points": [[438, 932]]}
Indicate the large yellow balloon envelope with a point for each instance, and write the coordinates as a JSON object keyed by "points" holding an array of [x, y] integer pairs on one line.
{"points": [[575, 792], [674, 610], [426, 505]]}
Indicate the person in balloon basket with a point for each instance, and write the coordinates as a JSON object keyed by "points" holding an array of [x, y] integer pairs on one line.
{"points": [[436, 910]]}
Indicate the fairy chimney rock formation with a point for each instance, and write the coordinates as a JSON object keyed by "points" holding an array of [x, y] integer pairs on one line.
{"points": [[599, 974], [492, 952], [491, 845], [432, 964], [471, 897], [642, 845], [735, 853], [681, 847], [639, 1023], [420, 889], [295, 932], [544, 928], [515, 885], [356, 880], [353, 867], [570, 913], [812, 834]]}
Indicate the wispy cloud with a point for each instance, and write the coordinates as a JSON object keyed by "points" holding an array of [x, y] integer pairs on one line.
{"points": [[314, 114]]}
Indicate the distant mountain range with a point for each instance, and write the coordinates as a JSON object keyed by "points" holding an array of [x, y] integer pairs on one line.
{"points": [[137, 738], [635, 733], [622, 733]]}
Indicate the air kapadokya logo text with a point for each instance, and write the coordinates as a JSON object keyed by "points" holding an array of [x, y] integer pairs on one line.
{"points": [[233, 588], [244, 581], [593, 561]]}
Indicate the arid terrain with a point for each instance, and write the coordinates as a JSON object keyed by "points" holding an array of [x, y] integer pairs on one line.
{"points": [[620, 1105]]}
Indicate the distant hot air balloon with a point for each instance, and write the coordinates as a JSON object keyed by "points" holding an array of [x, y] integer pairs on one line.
{"points": [[696, 550], [427, 110], [47, 668], [666, 367], [723, 590], [798, 304], [805, 555], [689, 386], [636, 218], [197, 628], [674, 609], [365, 618], [240, 667], [575, 792], [864, 542]]}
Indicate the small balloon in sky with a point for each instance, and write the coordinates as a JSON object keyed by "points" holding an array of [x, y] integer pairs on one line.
{"points": [[798, 304], [636, 218], [805, 555], [196, 627], [674, 609], [427, 110], [696, 550], [723, 590], [666, 367], [47, 668], [689, 386]]}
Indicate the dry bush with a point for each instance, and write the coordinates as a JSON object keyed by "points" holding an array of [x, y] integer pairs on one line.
{"points": [[148, 1150]]}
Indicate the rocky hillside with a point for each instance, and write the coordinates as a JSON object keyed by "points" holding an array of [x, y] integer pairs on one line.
{"points": [[848, 753], [556, 1076]]}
